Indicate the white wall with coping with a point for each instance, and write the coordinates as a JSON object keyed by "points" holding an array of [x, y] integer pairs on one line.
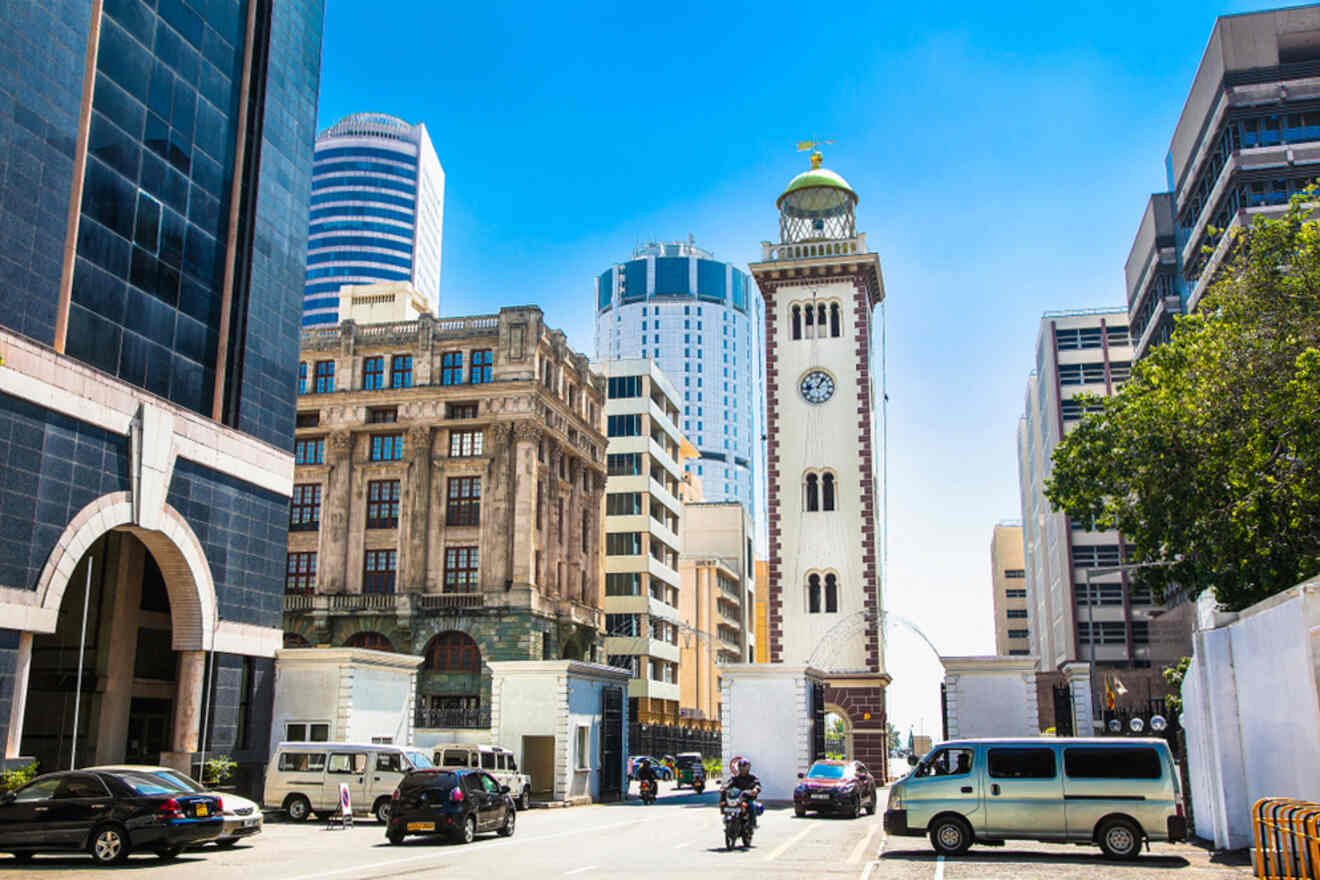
{"points": [[361, 694], [991, 696], [1251, 709], [765, 713]]}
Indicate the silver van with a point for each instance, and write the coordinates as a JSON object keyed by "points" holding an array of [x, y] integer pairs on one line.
{"points": [[303, 777], [1115, 792]]}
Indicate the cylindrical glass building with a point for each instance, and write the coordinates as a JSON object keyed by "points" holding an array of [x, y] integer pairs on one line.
{"points": [[377, 212]]}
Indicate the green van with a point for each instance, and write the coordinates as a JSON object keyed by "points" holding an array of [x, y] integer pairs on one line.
{"points": [[1115, 792]]}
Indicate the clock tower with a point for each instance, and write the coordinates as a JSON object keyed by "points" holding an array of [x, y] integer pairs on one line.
{"points": [[821, 287]]}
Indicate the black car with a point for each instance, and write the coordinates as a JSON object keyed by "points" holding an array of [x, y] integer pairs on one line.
{"points": [[459, 802], [107, 815]]}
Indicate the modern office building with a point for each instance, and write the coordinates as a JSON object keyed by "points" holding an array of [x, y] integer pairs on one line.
{"points": [[447, 502], [1247, 139], [1109, 619], [378, 199], [642, 514], [1008, 578], [157, 163], [700, 320]]}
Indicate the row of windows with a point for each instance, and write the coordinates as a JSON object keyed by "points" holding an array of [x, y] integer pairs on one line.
{"points": [[361, 241], [624, 386], [463, 507], [1073, 409], [814, 317], [819, 490], [327, 153], [831, 594], [352, 258], [1076, 338], [388, 447], [624, 426], [329, 226], [1111, 593], [373, 372], [1016, 614], [1096, 555], [379, 568], [357, 192], [1016, 594], [401, 372], [323, 214], [360, 180], [360, 166], [355, 271], [1040, 763], [1113, 632], [1018, 634]]}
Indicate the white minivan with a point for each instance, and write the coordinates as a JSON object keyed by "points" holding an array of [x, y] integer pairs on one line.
{"points": [[304, 777]]}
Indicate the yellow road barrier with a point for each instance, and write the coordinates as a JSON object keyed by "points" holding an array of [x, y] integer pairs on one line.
{"points": [[1287, 836]]}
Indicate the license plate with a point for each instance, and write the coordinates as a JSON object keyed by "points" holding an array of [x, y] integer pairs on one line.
{"points": [[202, 810], [249, 823], [820, 797], [421, 826]]}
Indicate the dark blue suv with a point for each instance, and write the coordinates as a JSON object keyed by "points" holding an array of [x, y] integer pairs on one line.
{"points": [[458, 802]]}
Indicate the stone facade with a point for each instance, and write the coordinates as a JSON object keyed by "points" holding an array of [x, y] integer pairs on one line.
{"points": [[460, 499]]}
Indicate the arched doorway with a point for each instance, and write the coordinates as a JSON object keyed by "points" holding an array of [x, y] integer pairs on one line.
{"points": [[571, 650], [371, 641], [450, 685], [838, 733]]}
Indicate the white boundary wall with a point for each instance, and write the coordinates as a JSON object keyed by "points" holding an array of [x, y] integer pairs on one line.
{"points": [[990, 696]]}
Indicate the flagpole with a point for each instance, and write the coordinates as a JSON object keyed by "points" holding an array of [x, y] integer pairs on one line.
{"points": [[82, 651]]}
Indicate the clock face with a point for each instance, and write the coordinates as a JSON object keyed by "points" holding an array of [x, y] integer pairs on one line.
{"points": [[817, 386]]}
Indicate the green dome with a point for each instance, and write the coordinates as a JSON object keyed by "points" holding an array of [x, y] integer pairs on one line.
{"points": [[817, 177]]}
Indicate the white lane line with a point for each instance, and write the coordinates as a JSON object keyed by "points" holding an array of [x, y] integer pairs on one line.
{"points": [[860, 849], [939, 868], [580, 870], [866, 872], [784, 847], [492, 844]]}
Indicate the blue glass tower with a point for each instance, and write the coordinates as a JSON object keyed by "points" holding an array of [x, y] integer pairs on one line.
{"points": [[377, 212]]}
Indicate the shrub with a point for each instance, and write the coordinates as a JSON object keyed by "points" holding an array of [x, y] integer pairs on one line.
{"points": [[218, 770], [19, 776]]}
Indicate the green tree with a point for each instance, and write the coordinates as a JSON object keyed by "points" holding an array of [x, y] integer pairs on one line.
{"points": [[1173, 677], [1212, 451], [892, 732]]}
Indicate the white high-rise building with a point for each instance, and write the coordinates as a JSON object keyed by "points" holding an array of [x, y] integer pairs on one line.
{"points": [[701, 321], [377, 212]]}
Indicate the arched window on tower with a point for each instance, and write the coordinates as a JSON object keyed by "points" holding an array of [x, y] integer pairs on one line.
{"points": [[820, 318], [827, 492], [811, 317], [813, 594], [834, 319], [813, 494], [831, 594], [797, 322]]}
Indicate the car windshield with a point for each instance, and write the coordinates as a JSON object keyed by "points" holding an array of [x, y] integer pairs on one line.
{"points": [[826, 771], [184, 783], [688, 761], [420, 761], [148, 784]]}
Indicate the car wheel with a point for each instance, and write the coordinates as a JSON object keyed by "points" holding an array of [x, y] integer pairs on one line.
{"points": [[297, 807], [506, 830], [799, 811], [855, 808], [110, 845], [525, 799], [469, 832], [169, 852], [950, 836], [382, 810], [227, 843], [394, 836], [870, 807], [1120, 839]]}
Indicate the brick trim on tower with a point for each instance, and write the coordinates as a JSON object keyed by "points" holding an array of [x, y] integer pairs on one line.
{"points": [[870, 581]]}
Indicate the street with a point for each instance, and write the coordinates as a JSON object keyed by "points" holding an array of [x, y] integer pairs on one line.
{"points": [[680, 833]]}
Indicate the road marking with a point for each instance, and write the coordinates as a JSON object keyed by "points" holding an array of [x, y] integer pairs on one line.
{"points": [[939, 868], [580, 870], [783, 847], [860, 849], [680, 846]]}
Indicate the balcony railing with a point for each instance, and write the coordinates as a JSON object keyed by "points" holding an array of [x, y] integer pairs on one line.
{"points": [[349, 602], [466, 719], [808, 249]]}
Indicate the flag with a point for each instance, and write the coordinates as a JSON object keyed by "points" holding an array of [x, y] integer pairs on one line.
{"points": [[1109, 695], [1118, 686], [805, 145]]}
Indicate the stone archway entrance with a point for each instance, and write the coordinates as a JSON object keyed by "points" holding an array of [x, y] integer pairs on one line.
{"points": [[838, 732]]}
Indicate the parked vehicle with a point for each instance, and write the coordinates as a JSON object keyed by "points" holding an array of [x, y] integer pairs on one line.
{"points": [[661, 770], [845, 787], [242, 817], [459, 802], [648, 788], [1114, 792], [736, 809], [690, 770], [107, 815], [495, 760], [304, 777]]}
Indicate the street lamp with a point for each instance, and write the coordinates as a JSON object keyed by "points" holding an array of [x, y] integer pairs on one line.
{"points": [[1090, 609]]}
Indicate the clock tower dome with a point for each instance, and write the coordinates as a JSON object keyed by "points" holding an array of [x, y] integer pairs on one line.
{"points": [[821, 287]]}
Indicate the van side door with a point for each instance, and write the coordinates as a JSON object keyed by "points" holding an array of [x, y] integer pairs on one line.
{"points": [[350, 769], [387, 770], [1025, 797]]}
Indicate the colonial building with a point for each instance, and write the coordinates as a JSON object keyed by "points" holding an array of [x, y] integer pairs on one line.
{"points": [[447, 500]]}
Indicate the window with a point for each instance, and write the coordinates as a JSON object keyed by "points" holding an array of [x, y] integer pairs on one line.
{"points": [[624, 386], [1015, 573], [559, 521], [623, 503], [389, 762], [1141, 632], [623, 544], [465, 444], [305, 508], [307, 420], [461, 411], [325, 377], [1120, 371], [1109, 763], [831, 594], [461, 570], [1095, 555], [401, 373], [1016, 594], [582, 758], [623, 584], [1109, 632], [623, 624], [451, 368], [463, 505], [627, 464], [827, 492], [1017, 614], [1118, 336], [378, 571], [813, 493], [373, 373], [483, 366], [1076, 338], [303, 762], [1081, 374], [540, 504], [947, 762], [309, 451], [382, 415], [1021, 763], [386, 447], [834, 319], [383, 504], [1019, 634], [1099, 593], [625, 426], [813, 594], [300, 573], [797, 322], [347, 762], [302, 377], [586, 530]]}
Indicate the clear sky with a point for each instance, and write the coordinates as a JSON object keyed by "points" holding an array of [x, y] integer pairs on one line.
{"points": [[1003, 153]]}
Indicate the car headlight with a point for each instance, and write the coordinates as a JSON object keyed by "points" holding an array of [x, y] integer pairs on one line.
{"points": [[896, 798], [848, 789]]}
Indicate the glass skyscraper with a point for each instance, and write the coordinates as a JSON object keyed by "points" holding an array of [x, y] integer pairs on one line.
{"points": [[378, 195], [703, 322]]}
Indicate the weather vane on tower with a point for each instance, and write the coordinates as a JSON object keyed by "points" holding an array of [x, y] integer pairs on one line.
{"points": [[813, 145]]}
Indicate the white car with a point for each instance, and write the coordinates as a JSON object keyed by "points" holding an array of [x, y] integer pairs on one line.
{"points": [[242, 817]]}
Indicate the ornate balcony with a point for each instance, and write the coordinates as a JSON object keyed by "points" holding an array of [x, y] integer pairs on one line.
{"points": [[464, 719]]}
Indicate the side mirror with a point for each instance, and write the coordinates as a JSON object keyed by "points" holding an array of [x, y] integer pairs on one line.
{"points": [[912, 760], [504, 789], [801, 775]]}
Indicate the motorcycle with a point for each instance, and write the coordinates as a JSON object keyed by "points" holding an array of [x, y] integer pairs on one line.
{"points": [[648, 791], [738, 817]]}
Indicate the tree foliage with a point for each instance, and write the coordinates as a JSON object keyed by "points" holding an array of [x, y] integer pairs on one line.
{"points": [[1211, 451]]}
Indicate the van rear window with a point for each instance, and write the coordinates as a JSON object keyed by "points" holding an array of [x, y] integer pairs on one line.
{"points": [[1102, 763], [302, 761], [455, 758], [487, 761]]}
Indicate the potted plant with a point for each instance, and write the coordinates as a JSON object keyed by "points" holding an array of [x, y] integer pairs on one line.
{"points": [[217, 772]]}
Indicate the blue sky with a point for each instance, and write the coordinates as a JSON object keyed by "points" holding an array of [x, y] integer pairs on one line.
{"points": [[1003, 154]]}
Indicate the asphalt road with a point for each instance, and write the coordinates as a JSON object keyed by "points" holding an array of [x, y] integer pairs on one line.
{"points": [[679, 834]]}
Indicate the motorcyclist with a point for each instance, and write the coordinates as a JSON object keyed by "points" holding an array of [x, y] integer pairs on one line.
{"points": [[746, 782], [646, 773]]}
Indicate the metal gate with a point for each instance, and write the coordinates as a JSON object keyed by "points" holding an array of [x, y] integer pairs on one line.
{"points": [[611, 744], [1063, 717], [817, 722]]}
